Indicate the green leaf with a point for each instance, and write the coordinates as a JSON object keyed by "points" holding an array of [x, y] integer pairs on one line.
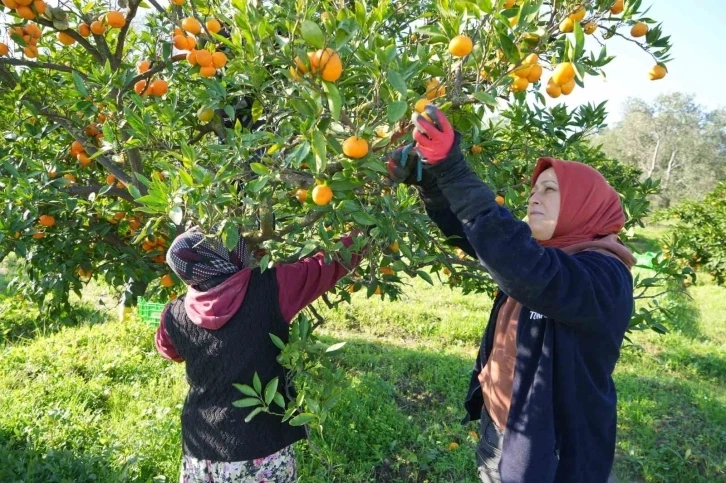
{"points": [[259, 168], [254, 413], [334, 348], [397, 82], [80, 85], [257, 384], [396, 110], [363, 218], [508, 47], [245, 389], [279, 400], [247, 402], [230, 235], [176, 214], [277, 341], [485, 98], [270, 391], [132, 189], [425, 276], [335, 102], [312, 34], [319, 149], [579, 41], [302, 419]]}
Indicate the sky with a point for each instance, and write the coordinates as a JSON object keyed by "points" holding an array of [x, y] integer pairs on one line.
{"points": [[697, 30]]}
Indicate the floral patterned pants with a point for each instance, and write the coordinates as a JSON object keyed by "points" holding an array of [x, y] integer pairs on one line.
{"points": [[276, 468]]}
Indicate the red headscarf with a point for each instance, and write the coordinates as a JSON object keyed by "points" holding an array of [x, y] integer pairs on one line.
{"points": [[591, 215]]}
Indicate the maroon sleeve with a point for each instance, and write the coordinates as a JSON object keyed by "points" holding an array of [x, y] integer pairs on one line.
{"points": [[303, 281], [163, 342]]}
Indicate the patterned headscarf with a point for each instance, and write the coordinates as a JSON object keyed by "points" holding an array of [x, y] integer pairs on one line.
{"points": [[204, 262]]}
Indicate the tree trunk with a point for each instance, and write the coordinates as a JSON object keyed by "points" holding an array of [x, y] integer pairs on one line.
{"points": [[653, 159]]}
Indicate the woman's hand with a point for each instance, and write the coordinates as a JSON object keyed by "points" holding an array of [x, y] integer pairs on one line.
{"points": [[433, 134]]}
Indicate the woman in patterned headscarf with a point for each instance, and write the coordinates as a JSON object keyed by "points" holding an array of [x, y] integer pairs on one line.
{"points": [[221, 329]]}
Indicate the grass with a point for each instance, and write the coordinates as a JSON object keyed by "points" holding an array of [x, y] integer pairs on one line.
{"points": [[96, 403]]}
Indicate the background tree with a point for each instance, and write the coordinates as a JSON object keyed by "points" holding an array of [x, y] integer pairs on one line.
{"points": [[674, 140]]}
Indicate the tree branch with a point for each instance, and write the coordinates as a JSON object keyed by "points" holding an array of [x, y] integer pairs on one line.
{"points": [[309, 219], [42, 65], [86, 190], [77, 37], [133, 7]]}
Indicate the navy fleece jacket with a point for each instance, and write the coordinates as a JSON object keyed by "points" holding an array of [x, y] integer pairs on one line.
{"points": [[576, 308]]}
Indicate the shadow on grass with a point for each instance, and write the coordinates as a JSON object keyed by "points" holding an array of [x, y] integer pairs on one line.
{"points": [[20, 321], [21, 460], [668, 430]]}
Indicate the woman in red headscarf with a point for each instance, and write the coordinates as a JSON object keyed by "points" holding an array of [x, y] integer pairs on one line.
{"points": [[542, 382]]}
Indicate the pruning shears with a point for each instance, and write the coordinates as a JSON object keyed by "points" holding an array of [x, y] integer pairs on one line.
{"points": [[407, 153]]}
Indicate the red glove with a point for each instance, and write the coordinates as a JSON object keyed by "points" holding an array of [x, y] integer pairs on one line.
{"points": [[433, 134]]}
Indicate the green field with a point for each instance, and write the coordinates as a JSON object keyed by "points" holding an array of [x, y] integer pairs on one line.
{"points": [[97, 403]]}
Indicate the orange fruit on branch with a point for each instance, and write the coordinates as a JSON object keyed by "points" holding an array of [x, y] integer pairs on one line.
{"points": [[159, 87], [553, 90], [167, 281], [301, 195], [25, 12], [617, 7], [192, 25], [65, 39], [535, 72], [84, 29], [355, 147], [578, 14], [110, 179], [568, 87], [115, 19], [204, 58], [322, 195], [460, 46], [639, 29], [98, 28], [39, 6], [140, 87], [657, 72], [563, 73], [219, 60], [76, 148], [567, 25], [180, 42], [213, 25], [208, 71], [46, 220], [328, 64], [143, 66], [3, 49], [83, 159], [589, 28], [420, 105], [499, 199], [192, 57]]}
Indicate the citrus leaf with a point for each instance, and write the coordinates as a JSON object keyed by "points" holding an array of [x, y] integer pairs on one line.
{"points": [[363, 218], [397, 82], [254, 413], [312, 34], [319, 149], [246, 402], [279, 400], [335, 102], [270, 391], [334, 347], [245, 389], [396, 110], [257, 384], [302, 419], [259, 168]]}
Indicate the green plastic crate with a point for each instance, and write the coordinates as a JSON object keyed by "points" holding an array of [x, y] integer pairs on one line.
{"points": [[149, 312]]}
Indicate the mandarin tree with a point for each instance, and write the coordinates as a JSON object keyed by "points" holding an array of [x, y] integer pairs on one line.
{"points": [[274, 117]]}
